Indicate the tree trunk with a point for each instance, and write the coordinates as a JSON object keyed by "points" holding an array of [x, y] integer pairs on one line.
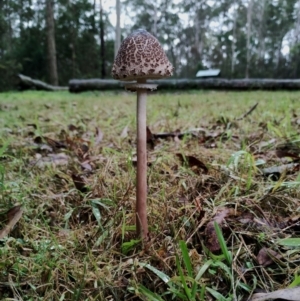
{"points": [[278, 55], [297, 39], [233, 45], [118, 27], [297, 31], [102, 46], [262, 21], [21, 25], [198, 24], [197, 37], [154, 27], [174, 61], [51, 47], [249, 23], [9, 30]]}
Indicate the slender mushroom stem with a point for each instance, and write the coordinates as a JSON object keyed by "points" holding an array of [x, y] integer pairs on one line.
{"points": [[141, 193], [128, 69]]}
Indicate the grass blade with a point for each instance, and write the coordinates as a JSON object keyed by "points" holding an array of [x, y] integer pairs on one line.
{"points": [[186, 257], [203, 269], [165, 278], [215, 294], [183, 280], [290, 242], [222, 242], [150, 296]]}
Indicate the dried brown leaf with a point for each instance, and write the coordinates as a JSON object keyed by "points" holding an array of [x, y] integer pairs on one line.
{"points": [[177, 141], [72, 127], [149, 134], [13, 216], [82, 152], [51, 159], [292, 294], [86, 165], [256, 137], [198, 204], [124, 133], [212, 240], [265, 256], [192, 162], [33, 125], [98, 136], [55, 143], [177, 133], [79, 183], [283, 153], [50, 142], [267, 144], [150, 138], [276, 171]]}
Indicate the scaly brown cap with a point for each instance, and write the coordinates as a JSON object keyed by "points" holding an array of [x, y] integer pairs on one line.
{"points": [[141, 57]]}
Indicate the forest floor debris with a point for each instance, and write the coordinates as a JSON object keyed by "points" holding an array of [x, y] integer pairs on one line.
{"points": [[223, 200]]}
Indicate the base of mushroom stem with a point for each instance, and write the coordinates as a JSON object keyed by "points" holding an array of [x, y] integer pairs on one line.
{"points": [[133, 87]]}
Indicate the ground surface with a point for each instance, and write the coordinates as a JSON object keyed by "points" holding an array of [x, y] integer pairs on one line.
{"points": [[67, 188]]}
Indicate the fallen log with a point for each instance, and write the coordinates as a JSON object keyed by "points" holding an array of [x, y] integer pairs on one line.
{"points": [[28, 83], [81, 85]]}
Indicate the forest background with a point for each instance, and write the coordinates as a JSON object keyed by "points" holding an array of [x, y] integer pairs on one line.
{"points": [[56, 41]]}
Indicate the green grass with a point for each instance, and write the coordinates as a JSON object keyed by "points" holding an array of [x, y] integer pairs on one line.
{"points": [[81, 245]]}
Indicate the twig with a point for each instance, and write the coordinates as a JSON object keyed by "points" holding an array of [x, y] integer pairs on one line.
{"points": [[248, 113]]}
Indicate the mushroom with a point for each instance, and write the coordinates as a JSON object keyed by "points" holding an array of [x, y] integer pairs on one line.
{"points": [[139, 58]]}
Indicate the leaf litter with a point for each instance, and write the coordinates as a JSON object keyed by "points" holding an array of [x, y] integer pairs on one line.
{"points": [[13, 216], [84, 192], [292, 294]]}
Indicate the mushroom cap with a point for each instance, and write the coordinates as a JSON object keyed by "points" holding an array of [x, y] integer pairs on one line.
{"points": [[141, 57]]}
